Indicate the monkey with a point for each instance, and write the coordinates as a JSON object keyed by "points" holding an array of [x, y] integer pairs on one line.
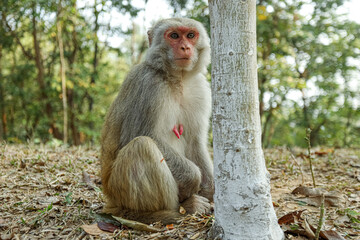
{"points": [[154, 155]]}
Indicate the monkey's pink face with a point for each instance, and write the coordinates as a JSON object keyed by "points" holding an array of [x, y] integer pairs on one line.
{"points": [[182, 40]]}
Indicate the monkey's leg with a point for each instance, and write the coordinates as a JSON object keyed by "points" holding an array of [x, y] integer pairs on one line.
{"points": [[141, 186]]}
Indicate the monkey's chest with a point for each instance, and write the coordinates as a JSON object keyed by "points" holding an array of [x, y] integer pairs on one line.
{"points": [[196, 102], [184, 116]]}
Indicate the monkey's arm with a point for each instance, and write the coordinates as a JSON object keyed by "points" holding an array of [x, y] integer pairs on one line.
{"points": [[187, 175], [200, 156]]}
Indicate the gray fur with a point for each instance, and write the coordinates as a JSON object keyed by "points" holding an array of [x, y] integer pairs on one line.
{"points": [[137, 134]]}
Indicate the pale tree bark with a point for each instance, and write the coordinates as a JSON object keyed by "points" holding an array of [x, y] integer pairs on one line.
{"points": [[243, 205], [62, 72]]}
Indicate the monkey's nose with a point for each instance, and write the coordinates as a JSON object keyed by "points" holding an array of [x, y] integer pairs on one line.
{"points": [[185, 48]]}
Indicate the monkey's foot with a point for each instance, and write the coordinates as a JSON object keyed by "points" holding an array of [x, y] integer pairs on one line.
{"points": [[179, 132], [196, 203]]}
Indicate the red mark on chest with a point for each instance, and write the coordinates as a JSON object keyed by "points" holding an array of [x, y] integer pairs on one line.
{"points": [[179, 132]]}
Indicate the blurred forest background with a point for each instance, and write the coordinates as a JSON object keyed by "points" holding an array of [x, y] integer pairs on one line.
{"points": [[60, 69]]}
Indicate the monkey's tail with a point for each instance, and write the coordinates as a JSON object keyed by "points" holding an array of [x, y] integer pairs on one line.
{"points": [[165, 216]]}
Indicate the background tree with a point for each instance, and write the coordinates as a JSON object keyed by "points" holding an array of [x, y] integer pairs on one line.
{"points": [[62, 71], [243, 206]]}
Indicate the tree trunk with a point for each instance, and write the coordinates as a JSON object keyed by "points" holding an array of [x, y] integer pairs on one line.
{"points": [[62, 72], [2, 104], [95, 59], [70, 92], [243, 205], [41, 76], [95, 62]]}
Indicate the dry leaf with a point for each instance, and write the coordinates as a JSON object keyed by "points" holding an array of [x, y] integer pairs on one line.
{"points": [[314, 195], [22, 163], [309, 233], [136, 225], [307, 191], [93, 229], [331, 235], [40, 163], [108, 227], [293, 229], [170, 227], [342, 220], [87, 179], [182, 210], [195, 236], [323, 153], [290, 217], [7, 236]]}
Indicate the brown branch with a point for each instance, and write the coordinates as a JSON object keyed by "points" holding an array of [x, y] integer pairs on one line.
{"points": [[13, 33]]}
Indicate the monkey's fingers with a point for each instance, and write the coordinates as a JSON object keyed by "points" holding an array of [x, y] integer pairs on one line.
{"points": [[175, 130]]}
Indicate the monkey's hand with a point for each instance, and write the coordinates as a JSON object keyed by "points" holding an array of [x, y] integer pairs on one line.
{"points": [[207, 187], [208, 192], [188, 180], [179, 132], [196, 203]]}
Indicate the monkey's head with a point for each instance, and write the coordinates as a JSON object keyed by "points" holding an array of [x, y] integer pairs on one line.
{"points": [[178, 44]]}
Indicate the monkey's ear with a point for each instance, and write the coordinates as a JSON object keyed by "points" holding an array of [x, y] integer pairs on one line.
{"points": [[150, 36]]}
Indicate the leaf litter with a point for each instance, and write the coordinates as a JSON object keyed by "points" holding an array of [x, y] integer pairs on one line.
{"points": [[55, 193]]}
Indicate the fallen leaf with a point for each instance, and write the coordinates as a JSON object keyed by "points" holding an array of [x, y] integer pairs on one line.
{"points": [[93, 229], [290, 217], [108, 227], [195, 236], [136, 225], [103, 217], [182, 210], [321, 153], [22, 164], [355, 165], [309, 233], [342, 221], [314, 195], [87, 179], [170, 227], [307, 191], [331, 235], [293, 229], [7, 236]]}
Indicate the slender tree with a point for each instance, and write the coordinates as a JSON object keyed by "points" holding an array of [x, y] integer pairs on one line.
{"points": [[243, 205], [2, 104], [62, 71]]}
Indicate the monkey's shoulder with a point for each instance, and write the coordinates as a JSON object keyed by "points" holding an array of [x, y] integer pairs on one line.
{"points": [[141, 80]]}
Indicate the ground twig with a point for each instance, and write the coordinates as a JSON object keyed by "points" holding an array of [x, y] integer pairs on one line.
{"points": [[321, 220], [307, 138]]}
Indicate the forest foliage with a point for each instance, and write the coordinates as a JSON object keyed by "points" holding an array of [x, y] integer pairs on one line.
{"points": [[308, 68]]}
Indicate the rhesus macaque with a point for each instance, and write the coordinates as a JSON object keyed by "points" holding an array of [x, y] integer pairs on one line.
{"points": [[154, 154]]}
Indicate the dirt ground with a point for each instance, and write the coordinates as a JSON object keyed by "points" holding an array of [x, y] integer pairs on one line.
{"points": [[52, 192]]}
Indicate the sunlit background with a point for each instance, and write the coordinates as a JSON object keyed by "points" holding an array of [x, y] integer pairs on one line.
{"points": [[308, 66]]}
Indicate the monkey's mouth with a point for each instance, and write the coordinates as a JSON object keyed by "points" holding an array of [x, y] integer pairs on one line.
{"points": [[181, 59], [182, 62]]}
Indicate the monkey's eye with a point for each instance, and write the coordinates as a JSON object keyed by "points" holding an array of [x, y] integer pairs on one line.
{"points": [[174, 35], [191, 35]]}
